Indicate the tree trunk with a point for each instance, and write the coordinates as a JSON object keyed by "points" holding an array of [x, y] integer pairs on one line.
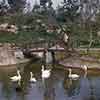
{"points": [[91, 40]]}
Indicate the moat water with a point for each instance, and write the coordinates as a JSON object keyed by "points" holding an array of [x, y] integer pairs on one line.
{"points": [[57, 87]]}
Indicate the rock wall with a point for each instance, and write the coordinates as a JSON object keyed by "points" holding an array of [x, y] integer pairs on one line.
{"points": [[6, 55]]}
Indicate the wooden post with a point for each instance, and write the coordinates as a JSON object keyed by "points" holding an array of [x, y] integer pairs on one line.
{"points": [[44, 57], [53, 57]]}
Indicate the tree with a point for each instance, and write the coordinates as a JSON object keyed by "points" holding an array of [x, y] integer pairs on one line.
{"points": [[17, 5], [4, 7], [43, 2], [68, 15], [69, 10], [89, 9]]}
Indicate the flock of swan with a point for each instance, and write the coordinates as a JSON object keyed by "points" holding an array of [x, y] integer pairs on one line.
{"points": [[45, 74]]}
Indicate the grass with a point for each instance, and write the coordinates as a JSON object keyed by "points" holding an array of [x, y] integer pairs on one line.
{"points": [[24, 37]]}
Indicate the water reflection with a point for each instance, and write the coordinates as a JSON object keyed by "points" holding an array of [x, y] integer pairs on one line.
{"points": [[57, 87], [71, 87]]}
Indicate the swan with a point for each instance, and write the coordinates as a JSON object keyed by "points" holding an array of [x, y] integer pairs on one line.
{"points": [[85, 68], [45, 73], [32, 79], [72, 76], [16, 78]]}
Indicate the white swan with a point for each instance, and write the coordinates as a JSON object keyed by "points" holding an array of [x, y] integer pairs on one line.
{"points": [[45, 73], [85, 68], [16, 78], [72, 76], [32, 79]]}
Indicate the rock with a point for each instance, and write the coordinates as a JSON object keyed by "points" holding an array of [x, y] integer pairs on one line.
{"points": [[5, 27], [19, 54], [6, 55]]}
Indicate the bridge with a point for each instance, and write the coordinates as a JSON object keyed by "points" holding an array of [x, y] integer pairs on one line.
{"points": [[52, 49], [46, 53]]}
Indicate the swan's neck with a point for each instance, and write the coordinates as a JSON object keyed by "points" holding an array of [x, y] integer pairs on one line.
{"points": [[31, 75], [70, 71], [42, 68], [18, 73]]}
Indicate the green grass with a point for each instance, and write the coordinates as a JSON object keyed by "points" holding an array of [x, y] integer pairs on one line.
{"points": [[24, 37], [30, 36]]}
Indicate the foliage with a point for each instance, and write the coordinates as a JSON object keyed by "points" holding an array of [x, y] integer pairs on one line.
{"points": [[67, 15]]}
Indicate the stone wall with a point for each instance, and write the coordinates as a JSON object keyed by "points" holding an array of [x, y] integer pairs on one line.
{"points": [[7, 55]]}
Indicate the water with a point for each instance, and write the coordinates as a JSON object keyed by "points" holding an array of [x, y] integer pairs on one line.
{"points": [[57, 87]]}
